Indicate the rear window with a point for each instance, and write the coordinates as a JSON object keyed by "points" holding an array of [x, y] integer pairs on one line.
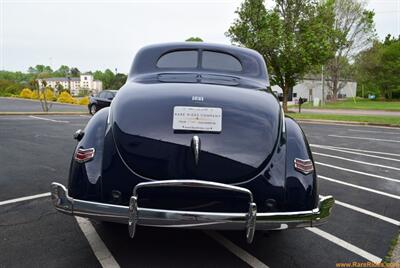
{"points": [[179, 59], [220, 61]]}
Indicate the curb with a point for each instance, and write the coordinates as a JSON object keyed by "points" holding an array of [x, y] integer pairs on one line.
{"points": [[338, 122], [44, 113]]}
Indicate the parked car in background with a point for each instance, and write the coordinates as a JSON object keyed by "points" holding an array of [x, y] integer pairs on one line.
{"points": [[101, 100], [194, 139]]}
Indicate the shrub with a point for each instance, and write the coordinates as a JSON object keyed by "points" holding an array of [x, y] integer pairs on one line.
{"points": [[35, 95], [26, 93], [65, 97], [9, 88], [84, 101], [49, 94]]}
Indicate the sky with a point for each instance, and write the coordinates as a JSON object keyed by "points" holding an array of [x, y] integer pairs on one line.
{"points": [[99, 34]]}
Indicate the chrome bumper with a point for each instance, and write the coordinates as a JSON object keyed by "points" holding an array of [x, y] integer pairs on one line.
{"points": [[133, 215]]}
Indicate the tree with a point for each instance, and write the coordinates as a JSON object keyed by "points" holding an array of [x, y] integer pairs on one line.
{"points": [[292, 37], [59, 87], [194, 39], [62, 71], [119, 81], [43, 97], [109, 79], [355, 30], [39, 69], [75, 72], [378, 67]]}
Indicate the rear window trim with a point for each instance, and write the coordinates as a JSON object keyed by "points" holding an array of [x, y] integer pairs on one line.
{"points": [[200, 61]]}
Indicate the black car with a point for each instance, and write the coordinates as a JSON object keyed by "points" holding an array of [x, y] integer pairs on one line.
{"points": [[194, 139], [103, 99]]}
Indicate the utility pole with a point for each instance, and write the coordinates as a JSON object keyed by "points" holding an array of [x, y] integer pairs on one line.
{"points": [[323, 85], [69, 81]]}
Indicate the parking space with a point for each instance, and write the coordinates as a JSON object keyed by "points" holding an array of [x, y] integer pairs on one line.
{"points": [[358, 165]]}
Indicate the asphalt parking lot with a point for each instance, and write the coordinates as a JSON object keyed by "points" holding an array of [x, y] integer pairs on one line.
{"points": [[358, 165]]}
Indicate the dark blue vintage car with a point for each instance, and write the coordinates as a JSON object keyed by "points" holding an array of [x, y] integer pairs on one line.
{"points": [[194, 139]]}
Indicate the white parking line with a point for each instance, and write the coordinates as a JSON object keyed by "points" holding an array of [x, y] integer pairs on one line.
{"points": [[360, 187], [363, 138], [99, 248], [372, 131], [238, 251], [358, 172], [88, 116], [356, 150], [48, 119], [356, 161], [345, 245], [101, 251], [25, 198], [356, 153], [367, 212]]}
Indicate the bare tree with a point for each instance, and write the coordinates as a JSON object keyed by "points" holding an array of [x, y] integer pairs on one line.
{"points": [[43, 101], [355, 30], [41, 93]]}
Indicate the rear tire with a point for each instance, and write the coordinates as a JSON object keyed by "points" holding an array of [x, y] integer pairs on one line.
{"points": [[93, 109]]}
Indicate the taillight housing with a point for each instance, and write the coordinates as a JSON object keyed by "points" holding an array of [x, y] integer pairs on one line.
{"points": [[304, 166], [84, 155]]}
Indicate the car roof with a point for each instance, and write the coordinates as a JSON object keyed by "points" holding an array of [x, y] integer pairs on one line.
{"points": [[145, 61]]}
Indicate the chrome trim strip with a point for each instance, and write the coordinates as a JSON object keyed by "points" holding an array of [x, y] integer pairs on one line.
{"points": [[248, 221], [193, 184], [195, 144]]}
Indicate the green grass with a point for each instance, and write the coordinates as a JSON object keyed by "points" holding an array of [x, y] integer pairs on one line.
{"points": [[359, 104], [393, 243], [383, 120]]}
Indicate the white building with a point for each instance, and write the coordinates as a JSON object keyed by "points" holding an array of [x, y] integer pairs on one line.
{"points": [[312, 88], [75, 84]]}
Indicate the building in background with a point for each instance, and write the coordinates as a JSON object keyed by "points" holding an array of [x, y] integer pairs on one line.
{"points": [[76, 85], [311, 89]]}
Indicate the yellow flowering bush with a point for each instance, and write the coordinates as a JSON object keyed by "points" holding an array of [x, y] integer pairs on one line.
{"points": [[49, 94], [65, 97], [26, 93], [84, 100], [35, 95]]}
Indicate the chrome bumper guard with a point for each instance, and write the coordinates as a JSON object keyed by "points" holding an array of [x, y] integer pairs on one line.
{"points": [[133, 215]]}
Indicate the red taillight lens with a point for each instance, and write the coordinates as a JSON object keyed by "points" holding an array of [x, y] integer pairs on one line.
{"points": [[83, 155], [303, 166]]}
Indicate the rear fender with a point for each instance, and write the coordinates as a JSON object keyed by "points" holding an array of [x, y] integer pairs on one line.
{"points": [[85, 178], [300, 189]]}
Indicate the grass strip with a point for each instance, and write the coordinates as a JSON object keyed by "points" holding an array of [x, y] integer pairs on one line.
{"points": [[377, 120]]}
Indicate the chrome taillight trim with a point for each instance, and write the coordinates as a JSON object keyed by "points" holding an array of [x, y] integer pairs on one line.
{"points": [[88, 153], [304, 166]]}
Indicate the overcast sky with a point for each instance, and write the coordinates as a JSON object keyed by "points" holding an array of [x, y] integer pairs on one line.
{"points": [[95, 35]]}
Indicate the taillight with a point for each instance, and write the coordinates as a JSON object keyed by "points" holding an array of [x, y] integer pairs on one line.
{"points": [[303, 166], [84, 155]]}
